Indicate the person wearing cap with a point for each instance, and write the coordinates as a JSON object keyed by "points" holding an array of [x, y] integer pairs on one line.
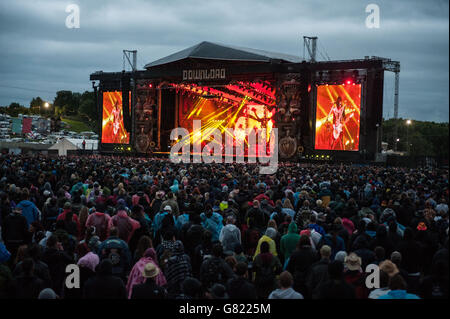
{"points": [[163, 218], [355, 276], [136, 274], [172, 202], [149, 289]]}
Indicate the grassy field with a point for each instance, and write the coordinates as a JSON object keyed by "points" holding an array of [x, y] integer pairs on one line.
{"points": [[76, 125]]}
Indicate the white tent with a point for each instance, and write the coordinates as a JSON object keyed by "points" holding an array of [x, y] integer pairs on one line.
{"points": [[63, 145], [90, 144]]}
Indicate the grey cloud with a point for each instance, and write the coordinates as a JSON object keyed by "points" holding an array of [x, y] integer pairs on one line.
{"points": [[38, 52]]}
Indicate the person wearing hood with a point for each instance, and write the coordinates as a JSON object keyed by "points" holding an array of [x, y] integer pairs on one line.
{"points": [[300, 263], [87, 265], [212, 221], [177, 268], [285, 291], [230, 235], [269, 236], [397, 286], [174, 188], [149, 288], [29, 209], [125, 225], [136, 275], [289, 241]]}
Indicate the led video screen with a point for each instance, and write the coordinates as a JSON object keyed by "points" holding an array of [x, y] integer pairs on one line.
{"points": [[113, 130], [338, 117]]}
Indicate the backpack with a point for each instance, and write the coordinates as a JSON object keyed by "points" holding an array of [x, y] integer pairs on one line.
{"points": [[214, 272], [115, 256]]}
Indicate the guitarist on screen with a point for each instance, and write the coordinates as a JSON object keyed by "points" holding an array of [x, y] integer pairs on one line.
{"points": [[339, 120], [116, 120]]}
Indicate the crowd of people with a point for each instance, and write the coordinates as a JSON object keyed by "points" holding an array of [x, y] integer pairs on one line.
{"points": [[149, 228]]}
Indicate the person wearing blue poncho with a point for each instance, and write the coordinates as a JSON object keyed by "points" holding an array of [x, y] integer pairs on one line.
{"points": [[212, 221]]}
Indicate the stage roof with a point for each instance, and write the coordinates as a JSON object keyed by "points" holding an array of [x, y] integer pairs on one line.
{"points": [[216, 51]]}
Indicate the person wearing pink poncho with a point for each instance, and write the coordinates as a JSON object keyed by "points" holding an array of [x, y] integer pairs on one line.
{"points": [[136, 277]]}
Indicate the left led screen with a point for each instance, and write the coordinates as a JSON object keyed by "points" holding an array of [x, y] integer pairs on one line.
{"points": [[113, 129]]}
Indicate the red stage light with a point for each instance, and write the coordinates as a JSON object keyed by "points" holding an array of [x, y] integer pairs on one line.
{"points": [[348, 82], [150, 85]]}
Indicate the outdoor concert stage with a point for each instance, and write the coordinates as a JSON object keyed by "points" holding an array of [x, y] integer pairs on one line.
{"points": [[322, 110]]}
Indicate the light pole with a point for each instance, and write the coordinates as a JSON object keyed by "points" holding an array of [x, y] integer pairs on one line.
{"points": [[408, 123]]}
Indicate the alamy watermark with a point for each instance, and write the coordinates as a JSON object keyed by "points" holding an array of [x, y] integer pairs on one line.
{"points": [[73, 276], [373, 19], [73, 19]]}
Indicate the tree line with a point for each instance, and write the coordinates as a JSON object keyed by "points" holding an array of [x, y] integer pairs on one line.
{"points": [[65, 104], [417, 138]]}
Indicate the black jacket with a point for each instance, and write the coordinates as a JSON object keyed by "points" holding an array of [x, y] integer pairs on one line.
{"points": [[40, 270], [57, 260], [15, 230], [317, 276], [104, 287], [27, 287], [148, 290], [336, 289], [241, 288]]}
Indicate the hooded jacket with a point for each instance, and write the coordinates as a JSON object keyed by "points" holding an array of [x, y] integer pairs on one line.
{"points": [[285, 294], [398, 294], [29, 211], [229, 236], [289, 241]]}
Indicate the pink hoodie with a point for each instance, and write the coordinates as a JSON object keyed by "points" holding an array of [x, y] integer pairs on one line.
{"points": [[136, 278]]}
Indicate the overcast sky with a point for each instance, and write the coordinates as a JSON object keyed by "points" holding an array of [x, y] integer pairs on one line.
{"points": [[40, 56]]}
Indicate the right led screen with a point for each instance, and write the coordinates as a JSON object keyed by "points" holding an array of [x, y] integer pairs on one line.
{"points": [[338, 115]]}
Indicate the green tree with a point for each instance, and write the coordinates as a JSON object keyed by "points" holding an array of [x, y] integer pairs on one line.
{"points": [[68, 102], [36, 105], [88, 108]]}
